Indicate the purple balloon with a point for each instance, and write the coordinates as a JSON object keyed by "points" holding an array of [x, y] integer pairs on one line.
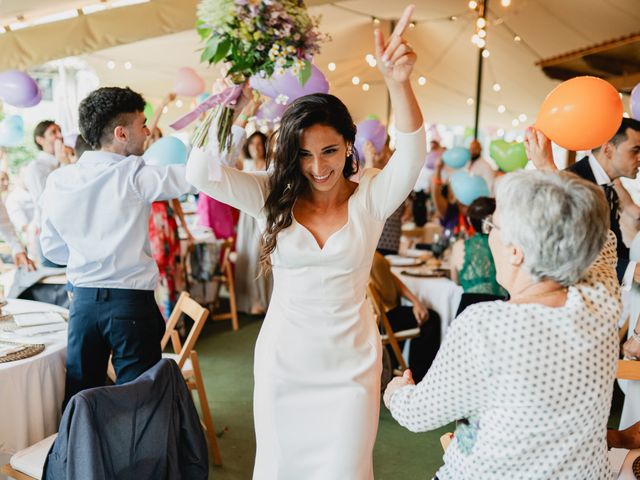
{"points": [[635, 102], [35, 100], [18, 88], [271, 111], [264, 86], [370, 131], [432, 159]]}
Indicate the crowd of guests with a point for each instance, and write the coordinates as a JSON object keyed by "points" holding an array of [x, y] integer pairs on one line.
{"points": [[544, 266]]}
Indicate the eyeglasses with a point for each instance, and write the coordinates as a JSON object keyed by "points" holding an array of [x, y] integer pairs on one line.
{"points": [[488, 225]]}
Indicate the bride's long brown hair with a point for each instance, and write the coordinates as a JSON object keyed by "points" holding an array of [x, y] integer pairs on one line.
{"points": [[286, 182]]}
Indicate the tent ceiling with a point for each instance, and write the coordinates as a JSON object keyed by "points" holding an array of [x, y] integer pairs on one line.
{"points": [[617, 61], [447, 58]]}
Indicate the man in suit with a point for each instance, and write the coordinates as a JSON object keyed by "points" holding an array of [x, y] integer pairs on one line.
{"points": [[619, 157], [604, 166]]}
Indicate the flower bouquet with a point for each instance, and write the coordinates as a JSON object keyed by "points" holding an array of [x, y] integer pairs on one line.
{"points": [[254, 39]]}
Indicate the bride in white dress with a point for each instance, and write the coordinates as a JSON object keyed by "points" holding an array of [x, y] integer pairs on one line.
{"points": [[318, 356]]}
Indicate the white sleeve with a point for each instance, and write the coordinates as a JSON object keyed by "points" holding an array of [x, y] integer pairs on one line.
{"points": [[153, 183], [53, 246], [389, 187], [453, 387], [7, 231], [246, 191]]}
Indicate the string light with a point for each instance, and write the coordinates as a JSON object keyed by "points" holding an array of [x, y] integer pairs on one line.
{"points": [[515, 122], [422, 81], [179, 103], [376, 21], [165, 109], [473, 5], [469, 101], [497, 87], [331, 66], [505, 3], [500, 132], [481, 23], [365, 87], [127, 65], [355, 80], [481, 43], [522, 117], [482, 33], [475, 38], [501, 109], [371, 60], [111, 64], [486, 53], [516, 38], [453, 18]]}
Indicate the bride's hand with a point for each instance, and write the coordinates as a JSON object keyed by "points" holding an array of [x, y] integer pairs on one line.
{"points": [[395, 57]]}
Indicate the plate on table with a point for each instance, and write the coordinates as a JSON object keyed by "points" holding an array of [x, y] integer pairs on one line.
{"points": [[399, 261], [428, 273]]}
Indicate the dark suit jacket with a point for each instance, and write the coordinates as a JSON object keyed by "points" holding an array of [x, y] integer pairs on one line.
{"points": [[583, 169], [145, 429]]}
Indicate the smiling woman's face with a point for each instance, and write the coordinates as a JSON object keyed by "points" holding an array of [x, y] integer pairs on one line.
{"points": [[323, 153]]}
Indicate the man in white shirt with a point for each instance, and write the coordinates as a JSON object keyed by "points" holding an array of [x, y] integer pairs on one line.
{"points": [[95, 217], [48, 139]]}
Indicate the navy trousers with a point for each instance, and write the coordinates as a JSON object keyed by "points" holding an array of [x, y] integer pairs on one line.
{"points": [[104, 321]]}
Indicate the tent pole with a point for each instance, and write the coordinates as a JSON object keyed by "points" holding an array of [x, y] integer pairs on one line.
{"points": [[483, 14]]}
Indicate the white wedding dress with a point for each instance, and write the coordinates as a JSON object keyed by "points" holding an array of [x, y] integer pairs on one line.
{"points": [[318, 356]]}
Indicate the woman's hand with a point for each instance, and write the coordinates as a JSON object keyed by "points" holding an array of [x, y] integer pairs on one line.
{"points": [[538, 148], [396, 384], [395, 57], [22, 260], [420, 312], [631, 349]]}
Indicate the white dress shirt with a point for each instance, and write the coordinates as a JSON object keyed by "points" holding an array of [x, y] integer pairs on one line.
{"points": [[7, 232], [20, 207], [603, 179], [35, 178], [95, 218]]}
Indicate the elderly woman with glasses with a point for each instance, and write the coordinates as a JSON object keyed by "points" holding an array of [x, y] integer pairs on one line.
{"points": [[531, 378]]}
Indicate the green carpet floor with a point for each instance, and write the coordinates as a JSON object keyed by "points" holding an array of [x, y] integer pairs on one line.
{"points": [[226, 359]]}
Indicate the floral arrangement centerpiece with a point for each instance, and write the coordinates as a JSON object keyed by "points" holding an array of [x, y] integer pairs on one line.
{"points": [[254, 39]]}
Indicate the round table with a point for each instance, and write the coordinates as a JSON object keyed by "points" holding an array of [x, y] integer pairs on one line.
{"points": [[440, 294], [32, 389]]}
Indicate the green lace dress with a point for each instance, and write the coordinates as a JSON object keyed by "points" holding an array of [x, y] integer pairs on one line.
{"points": [[478, 272]]}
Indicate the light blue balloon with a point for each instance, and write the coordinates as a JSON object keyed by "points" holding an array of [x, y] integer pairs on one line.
{"points": [[11, 131], [202, 97], [456, 157], [166, 151], [467, 187]]}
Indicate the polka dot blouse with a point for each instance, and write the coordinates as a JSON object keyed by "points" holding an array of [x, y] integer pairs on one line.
{"points": [[536, 383]]}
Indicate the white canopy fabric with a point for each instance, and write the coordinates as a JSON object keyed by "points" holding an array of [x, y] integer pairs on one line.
{"points": [[447, 58]]}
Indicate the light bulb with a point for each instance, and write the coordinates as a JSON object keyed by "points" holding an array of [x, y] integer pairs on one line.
{"points": [[422, 81], [331, 66], [355, 80], [496, 87], [486, 53], [522, 117], [481, 23], [469, 101], [501, 109], [365, 87]]}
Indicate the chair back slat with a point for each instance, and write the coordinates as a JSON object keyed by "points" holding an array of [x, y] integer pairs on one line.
{"points": [[197, 313], [628, 370]]}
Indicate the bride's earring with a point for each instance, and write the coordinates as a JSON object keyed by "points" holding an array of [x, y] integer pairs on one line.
{"points": [[349, 151]]}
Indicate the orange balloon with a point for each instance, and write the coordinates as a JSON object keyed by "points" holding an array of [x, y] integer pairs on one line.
{"points": [[581, 113]]}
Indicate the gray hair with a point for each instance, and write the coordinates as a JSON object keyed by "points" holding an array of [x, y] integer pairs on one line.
{"points": [[559, 220]]}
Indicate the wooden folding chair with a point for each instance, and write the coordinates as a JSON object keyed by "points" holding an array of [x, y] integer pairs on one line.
{"points": [[388, 336], [187, 359], [628, 370], [225, 277]]}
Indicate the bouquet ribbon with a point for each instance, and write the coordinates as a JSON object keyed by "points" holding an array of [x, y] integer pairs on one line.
{"points": [[224, 98]]}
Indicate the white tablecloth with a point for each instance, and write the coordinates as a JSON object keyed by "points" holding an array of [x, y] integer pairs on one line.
{"points": [[31, 390], [439, 294]]}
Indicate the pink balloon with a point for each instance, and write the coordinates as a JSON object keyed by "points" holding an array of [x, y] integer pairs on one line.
{"points": [[188, 83], [18, 88]]}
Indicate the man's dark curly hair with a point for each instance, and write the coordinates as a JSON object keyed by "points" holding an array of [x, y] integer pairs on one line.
{"points": [[104, 109]]}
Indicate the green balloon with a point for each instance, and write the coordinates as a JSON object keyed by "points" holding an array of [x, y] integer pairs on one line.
{"points": [[508, 156], [148, 111], [372, 117]]}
